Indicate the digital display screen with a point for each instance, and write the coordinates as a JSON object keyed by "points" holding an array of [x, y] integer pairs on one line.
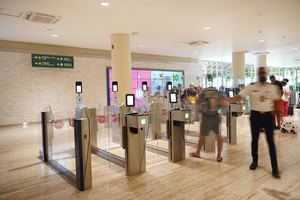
{"points": [[78, 87], [144, 86], [130, 100], [173, 97], [115, 86], [231, 94], [169, 86]]}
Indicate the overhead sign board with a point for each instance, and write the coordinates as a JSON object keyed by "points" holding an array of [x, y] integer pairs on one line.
{"points": [[54, 61]]}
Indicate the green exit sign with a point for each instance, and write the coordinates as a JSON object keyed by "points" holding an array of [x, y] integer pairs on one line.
{"points": [[39, 60]]}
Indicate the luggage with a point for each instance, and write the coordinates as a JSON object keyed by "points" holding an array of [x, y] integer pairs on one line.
{"points": [[291, 110], [288, 127]]}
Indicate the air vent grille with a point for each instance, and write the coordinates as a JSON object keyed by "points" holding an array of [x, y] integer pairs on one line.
{"points": [[261, 53], [196, 43], [41, 18], [10, 12]]}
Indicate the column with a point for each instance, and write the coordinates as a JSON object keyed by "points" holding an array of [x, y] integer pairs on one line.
{"points": [[238, 68], [121, 63], [261, 61]]}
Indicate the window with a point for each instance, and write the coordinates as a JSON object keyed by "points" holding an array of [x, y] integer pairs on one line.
{"points": [[156, 80]]}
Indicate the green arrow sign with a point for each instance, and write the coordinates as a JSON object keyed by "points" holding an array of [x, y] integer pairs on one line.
{"points": [[53, 61]]}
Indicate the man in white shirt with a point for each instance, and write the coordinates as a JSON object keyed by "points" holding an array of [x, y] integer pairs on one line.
{"points": [[264, 98]]}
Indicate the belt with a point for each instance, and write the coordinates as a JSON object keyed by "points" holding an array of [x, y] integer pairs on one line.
{"points": [[260, 112]]}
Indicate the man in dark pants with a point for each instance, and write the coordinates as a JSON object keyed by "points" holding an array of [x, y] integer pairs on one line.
{"points": [[264, 98]]}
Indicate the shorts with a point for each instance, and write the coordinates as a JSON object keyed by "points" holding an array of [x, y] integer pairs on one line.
{"points": [[210, 123]]}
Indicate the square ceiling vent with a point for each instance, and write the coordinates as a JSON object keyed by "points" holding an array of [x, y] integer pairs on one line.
{"points": [[196, 43], [41, 18]]}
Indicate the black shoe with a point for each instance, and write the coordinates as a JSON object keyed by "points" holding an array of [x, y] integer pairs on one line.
{"points": [[262, 130], [276, 174], [253, 166]]}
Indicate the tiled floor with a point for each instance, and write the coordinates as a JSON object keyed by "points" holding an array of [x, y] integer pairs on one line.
{"points": [[24, 176]]}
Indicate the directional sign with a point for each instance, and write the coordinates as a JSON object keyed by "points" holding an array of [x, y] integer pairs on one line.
{"points": [[39, 60]]}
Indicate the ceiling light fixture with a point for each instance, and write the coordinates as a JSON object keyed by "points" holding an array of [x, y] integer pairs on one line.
{"points": [[261, 40], [104, 3], [54, 35], [140, 45], [295, 48], [206, 27]]}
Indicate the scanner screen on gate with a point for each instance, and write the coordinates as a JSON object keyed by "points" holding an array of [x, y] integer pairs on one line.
{"points": [[231, 94], [129, 100], [115, 88], [144, 87], [173, 98], [78, 89]]}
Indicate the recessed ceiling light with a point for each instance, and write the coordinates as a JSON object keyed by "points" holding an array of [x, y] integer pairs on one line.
{"points": [[295, 48], [140, 45], [54, 35], [261, 40], [24, 124], [206, 27], [104, 4]]}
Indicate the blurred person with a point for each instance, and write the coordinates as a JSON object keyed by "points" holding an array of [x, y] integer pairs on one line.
{"points": [[285, 97], [197, 107], [264, 98], [210, 102], [277, 117], [222, 88], [189, 99], [190, 94], [157, 94], [175, 89], [199, 90]]}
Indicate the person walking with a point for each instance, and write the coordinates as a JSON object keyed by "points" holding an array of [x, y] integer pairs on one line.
{"points": [[264, 97], [285, 97], [277, 116], [210, 101]]}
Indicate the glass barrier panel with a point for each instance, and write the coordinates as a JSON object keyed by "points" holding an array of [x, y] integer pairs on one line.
{"points": [[157, 136], [102, 137], [115, 119], [63, 146], [38, 129], [192, 127]]}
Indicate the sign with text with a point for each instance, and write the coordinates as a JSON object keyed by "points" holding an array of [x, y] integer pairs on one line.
{"points": [[39, 60]]}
